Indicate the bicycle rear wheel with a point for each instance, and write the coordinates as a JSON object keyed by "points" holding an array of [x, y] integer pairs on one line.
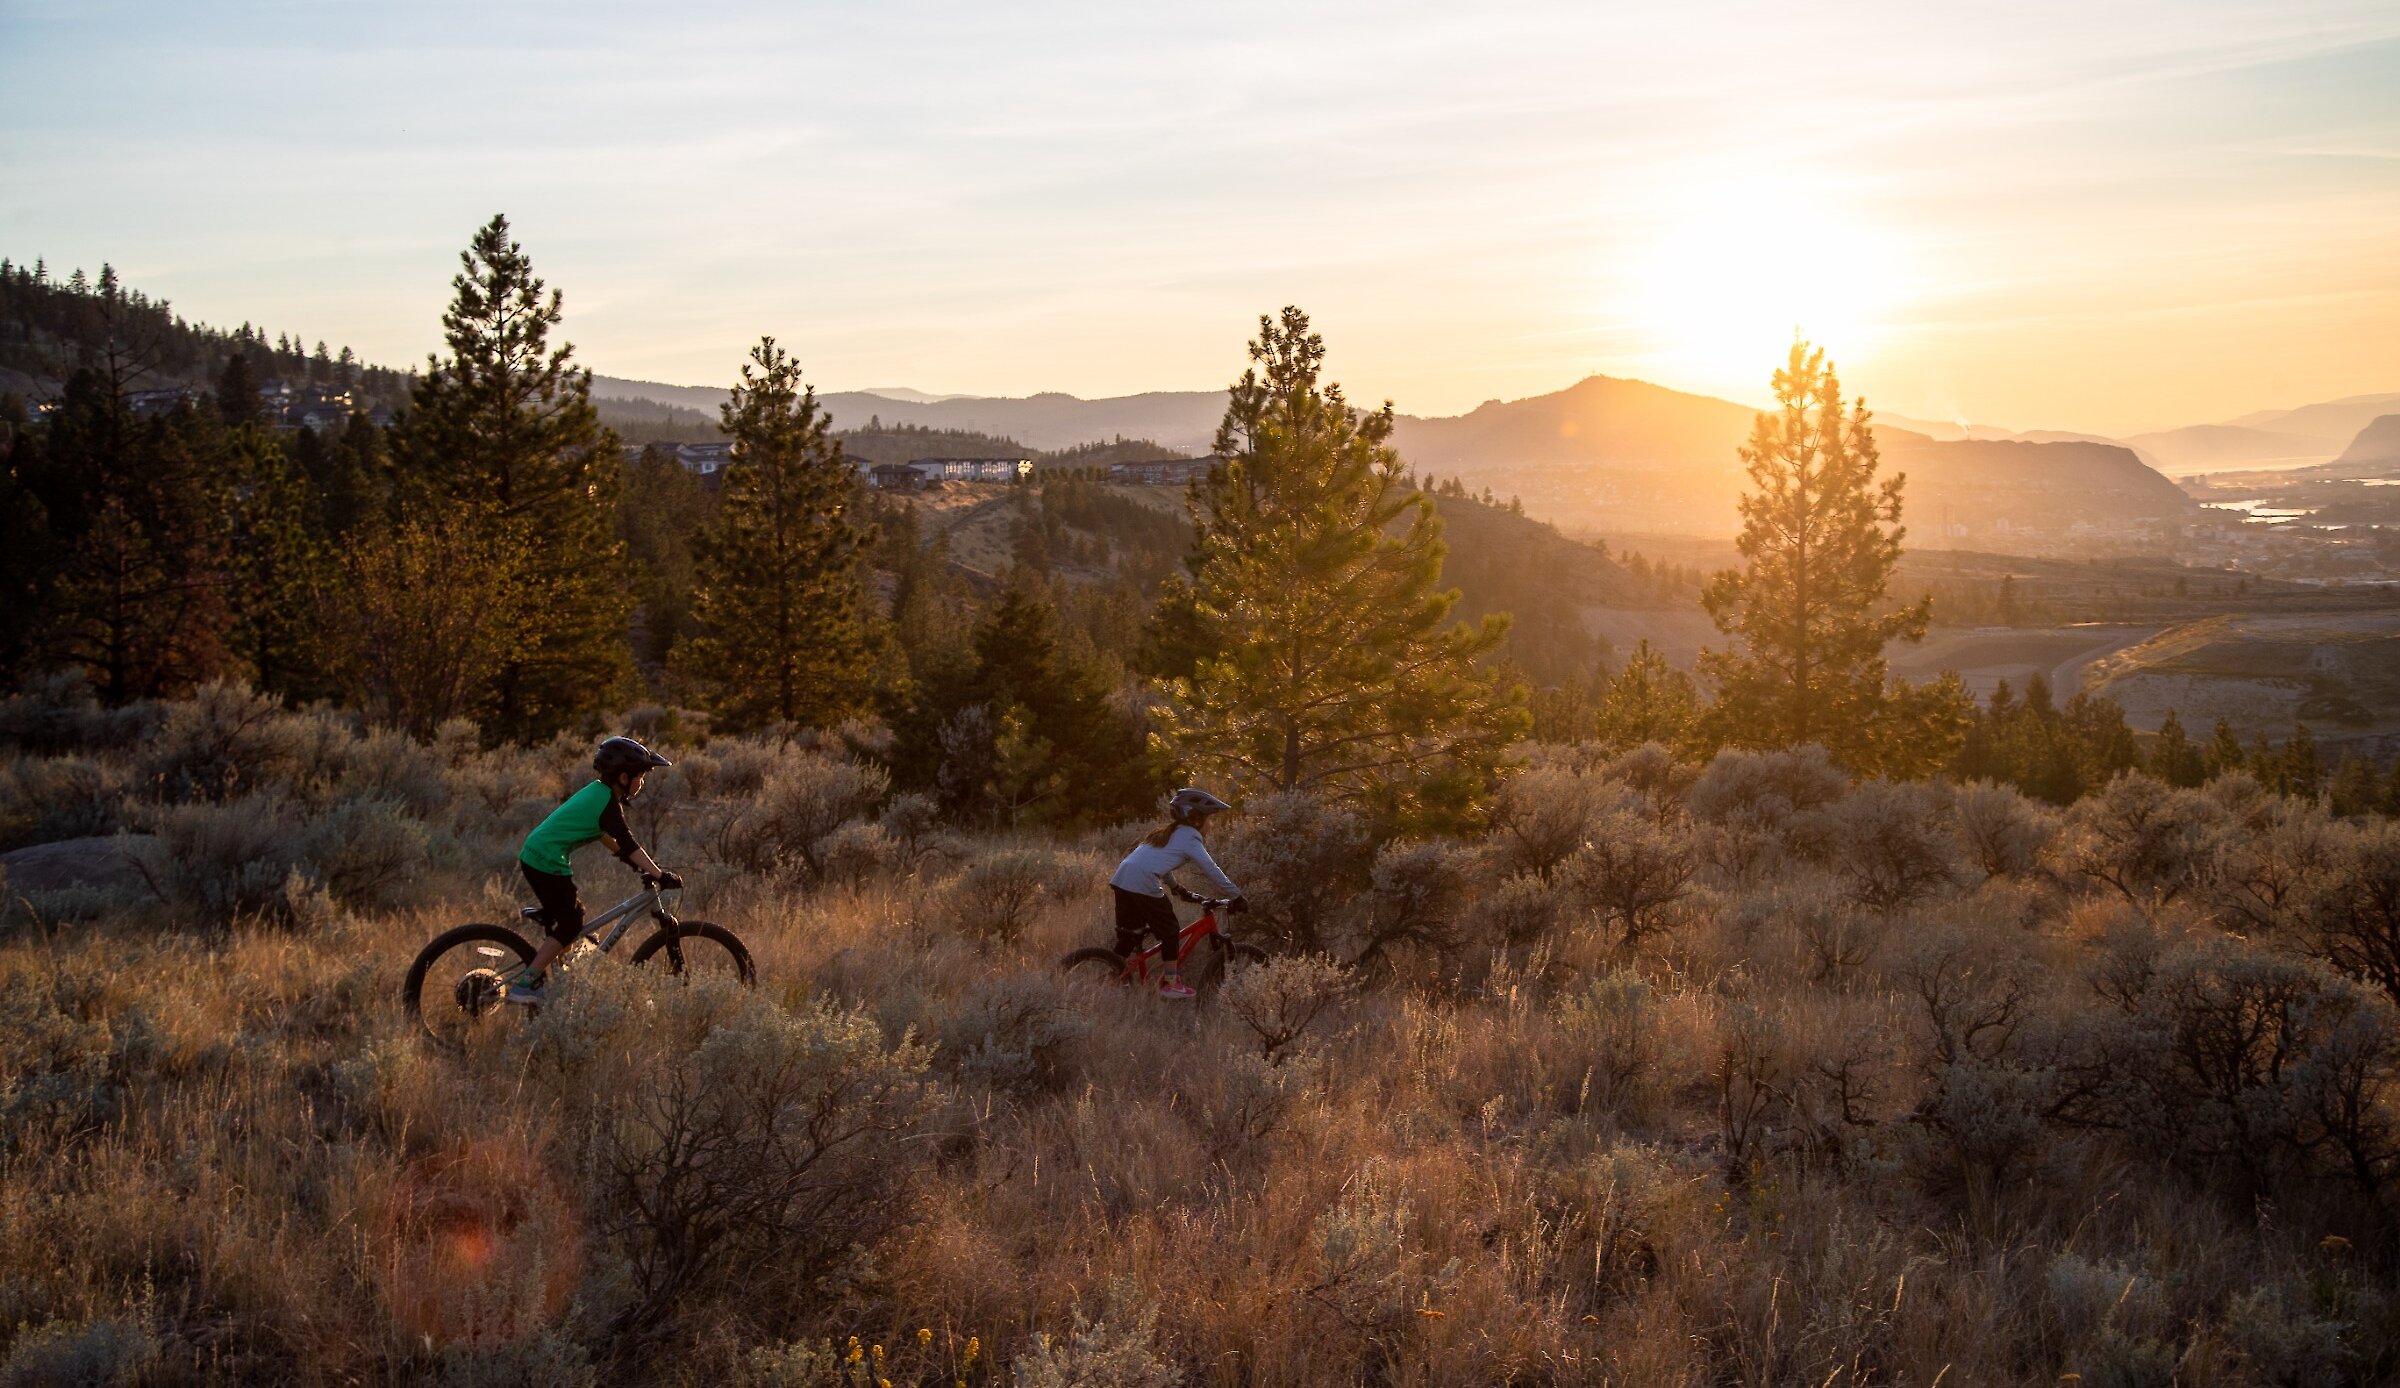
{"points": [[1094, 965], [454, 986], [699, 949]]}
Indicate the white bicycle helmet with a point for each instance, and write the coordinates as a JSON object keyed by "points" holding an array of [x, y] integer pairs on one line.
{"points": [[1191, 804]]}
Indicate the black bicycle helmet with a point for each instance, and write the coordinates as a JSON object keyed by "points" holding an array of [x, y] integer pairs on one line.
{"points": [[622, 756], [1192, 804]]}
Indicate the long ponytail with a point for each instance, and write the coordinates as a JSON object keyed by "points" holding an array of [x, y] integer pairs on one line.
{"points": [[1157, 838]]}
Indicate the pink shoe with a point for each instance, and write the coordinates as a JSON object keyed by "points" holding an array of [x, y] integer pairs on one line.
{"points": [[1174, 988]]}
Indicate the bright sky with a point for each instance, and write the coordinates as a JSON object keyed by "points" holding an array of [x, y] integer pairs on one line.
{"points": [[2081, 214]]}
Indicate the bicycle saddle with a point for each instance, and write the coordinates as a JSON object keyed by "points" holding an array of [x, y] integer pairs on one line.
{"points": [[535, 914]]}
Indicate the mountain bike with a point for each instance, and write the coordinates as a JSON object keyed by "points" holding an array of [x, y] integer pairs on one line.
{"points": [[458, 980], [1204, 950]]}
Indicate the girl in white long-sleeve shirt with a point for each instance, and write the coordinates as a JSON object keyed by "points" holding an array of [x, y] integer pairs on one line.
{"points": [[1142, 881]]}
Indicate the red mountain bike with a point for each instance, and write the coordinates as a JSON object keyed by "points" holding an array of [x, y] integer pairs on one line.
{"points": [[1204, 951]]}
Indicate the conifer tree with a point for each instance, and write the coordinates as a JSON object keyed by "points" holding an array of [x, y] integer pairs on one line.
{"points": [[1648, 701], [2174, 757], [1820, 537], [501, 442], [2303, 769], [1330, 662], [2224, 752], [783, 635], [2354, 791]]}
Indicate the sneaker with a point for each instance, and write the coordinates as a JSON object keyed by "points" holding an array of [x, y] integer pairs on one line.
{"points": [[1174, 988], [525, 988]]}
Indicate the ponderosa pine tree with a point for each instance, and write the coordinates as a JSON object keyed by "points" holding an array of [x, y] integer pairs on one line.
{"points": [[1648, 701], [502, 443], [2174, 757], [1329, 661], [1820, 537], [783, 632], [2224, 751]]}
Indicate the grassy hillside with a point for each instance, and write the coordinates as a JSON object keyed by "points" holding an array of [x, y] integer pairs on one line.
{"points": [[1675, 1078]]}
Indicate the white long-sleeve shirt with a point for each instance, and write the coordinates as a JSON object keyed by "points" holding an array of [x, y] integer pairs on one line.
{"points": [[1145, 869]]}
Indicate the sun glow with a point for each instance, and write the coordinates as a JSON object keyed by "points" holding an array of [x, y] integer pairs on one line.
{"points": [[1715, 297]]}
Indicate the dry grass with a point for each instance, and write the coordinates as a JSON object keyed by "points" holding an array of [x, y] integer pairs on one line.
{"points": [[1798, 1131]]}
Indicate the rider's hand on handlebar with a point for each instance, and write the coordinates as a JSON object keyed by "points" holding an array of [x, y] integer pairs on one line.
{"points": [[1237, 906], [664, 881]]}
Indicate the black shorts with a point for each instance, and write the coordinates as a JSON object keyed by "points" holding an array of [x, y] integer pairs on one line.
{"points": [[1139, 916], [559, 898]]}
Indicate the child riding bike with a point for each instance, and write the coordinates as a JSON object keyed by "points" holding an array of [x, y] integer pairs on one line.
{"points": [[1142, 881], [595, 812]]}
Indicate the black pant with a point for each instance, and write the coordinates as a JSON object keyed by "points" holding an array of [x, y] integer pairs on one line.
{"points": [[1138, 916], [557, 896]]}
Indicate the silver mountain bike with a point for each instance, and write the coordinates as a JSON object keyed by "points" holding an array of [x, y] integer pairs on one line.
{"points": [[457, 981]]}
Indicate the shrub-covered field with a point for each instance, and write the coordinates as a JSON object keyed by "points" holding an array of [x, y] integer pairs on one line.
{"points": [[1742, 1074]]}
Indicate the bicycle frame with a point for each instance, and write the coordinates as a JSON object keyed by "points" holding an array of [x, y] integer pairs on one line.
{"points": [[624, 914], [1138, 968]]}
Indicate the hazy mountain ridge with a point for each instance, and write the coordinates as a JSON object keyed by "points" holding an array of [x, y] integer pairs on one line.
{"points": [[1617, 453], [2377, 443]]}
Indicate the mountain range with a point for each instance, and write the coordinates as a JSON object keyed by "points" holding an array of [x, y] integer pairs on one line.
{"points": [[1607, 454]]}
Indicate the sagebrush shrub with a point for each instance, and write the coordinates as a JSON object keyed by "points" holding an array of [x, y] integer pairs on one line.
{"points": [[2353, 917], [45, 799], [800, 803], [2265, 875], [228, 739], [1518, 910], [2003, 832], [856, 853], [1891, 844], [1278, 1000], [1776, 795], [1541, 815], [58, 712], [98, 1353], [730, 1146], [1303, 861], [1416, 895], [364, 850], [1020, 1034], [1000, 894], [1608, 1035], [1632, 869], [1115, 1353], [2148, 841]]}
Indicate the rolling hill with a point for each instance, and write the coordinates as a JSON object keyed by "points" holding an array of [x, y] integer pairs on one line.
{"points": [[2377, 445], [2217, 447]]}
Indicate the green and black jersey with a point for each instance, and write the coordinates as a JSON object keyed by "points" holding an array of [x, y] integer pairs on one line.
{"points": [[586, 815]]}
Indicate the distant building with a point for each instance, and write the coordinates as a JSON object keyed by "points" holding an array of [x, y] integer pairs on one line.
{"points": [[895, 477], [704, 460], [145, 403], [973, 469], [1163, 472]]}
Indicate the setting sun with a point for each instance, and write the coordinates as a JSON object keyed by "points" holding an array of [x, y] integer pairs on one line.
{"points": [[1716, 296]]}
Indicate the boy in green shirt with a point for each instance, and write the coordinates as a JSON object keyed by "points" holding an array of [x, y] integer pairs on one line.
{"points": [[595, 812]]}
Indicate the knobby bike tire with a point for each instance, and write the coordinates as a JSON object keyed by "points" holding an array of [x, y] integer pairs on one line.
{"points": [[705, 930], [1224, 960], [412, 991], [1096, 963]]}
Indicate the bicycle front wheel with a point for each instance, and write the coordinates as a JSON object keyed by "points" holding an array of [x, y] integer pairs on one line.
{"points": [[1225, 961], [700, 949], [454, 987]]}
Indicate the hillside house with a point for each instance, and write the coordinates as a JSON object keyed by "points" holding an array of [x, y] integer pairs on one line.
{"points": [[973, 469], [705, 460], [894, 477], [1162, 472]]}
